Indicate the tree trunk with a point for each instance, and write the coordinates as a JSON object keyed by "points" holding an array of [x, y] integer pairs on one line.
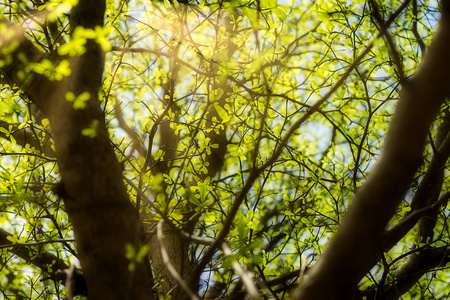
{"points": [[104, 220]]}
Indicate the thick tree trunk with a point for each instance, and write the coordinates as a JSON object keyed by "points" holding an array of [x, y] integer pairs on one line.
{"points": [[355, 247], [104, 221]]}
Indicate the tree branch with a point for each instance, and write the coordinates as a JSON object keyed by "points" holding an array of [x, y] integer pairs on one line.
{"points": [[412, 270], [354, 249], [51, 264], [26, 136], [43, 261]]}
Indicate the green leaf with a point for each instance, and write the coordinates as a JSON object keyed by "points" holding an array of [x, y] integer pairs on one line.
{"points": [[79, 102], [92, 130]]}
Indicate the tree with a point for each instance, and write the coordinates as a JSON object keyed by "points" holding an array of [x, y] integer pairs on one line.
{"points": [[211, 149]]}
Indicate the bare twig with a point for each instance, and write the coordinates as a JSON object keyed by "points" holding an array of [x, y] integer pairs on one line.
{"points": [[170, 267], [245, 275]]}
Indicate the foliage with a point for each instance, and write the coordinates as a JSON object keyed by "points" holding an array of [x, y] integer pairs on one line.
{"points": [[202, 102]]}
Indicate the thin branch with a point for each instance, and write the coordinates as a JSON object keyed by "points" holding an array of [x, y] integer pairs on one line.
{"points": [[419, 39], [131, 133], [245, 275], [160, 53], [390, 42], [169, 265], [37, 243]]}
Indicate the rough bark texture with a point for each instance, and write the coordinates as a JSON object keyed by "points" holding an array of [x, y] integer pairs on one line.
{"points": [[355, 247], [104, 221]]}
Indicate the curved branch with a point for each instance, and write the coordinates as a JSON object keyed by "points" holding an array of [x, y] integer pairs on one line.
{"points": [[407, 276], [354, 249]]}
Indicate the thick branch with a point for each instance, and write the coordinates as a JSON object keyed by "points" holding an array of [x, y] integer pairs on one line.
{"points": [[18, 59], [353, 250], [425, 200], [47, 262], [408, 275], [43, 261]]}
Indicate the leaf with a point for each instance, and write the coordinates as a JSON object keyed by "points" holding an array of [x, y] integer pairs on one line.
{"points": [[79, 102], [223, 114], [92, 130], [142, 253]]}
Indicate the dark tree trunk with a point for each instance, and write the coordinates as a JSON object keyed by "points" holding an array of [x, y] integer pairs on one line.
{"points": [[104, 220]]}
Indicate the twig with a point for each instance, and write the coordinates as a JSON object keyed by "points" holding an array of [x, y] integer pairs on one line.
{"points": [[245, 275], [169, 266]]}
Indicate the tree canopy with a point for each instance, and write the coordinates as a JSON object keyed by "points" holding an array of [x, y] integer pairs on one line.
{"points": [[231, 149]]}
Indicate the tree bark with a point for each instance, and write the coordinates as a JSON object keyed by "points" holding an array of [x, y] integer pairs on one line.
{"points": [[355, 247], [103, 218]]}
